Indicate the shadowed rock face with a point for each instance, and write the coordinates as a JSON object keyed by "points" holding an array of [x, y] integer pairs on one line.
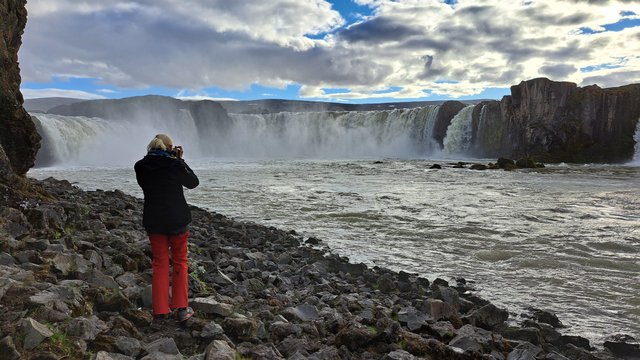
{"points": [[558, 121], [18, 135]]}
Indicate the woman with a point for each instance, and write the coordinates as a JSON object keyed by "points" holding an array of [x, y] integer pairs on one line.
{"points": [[161, 174]]}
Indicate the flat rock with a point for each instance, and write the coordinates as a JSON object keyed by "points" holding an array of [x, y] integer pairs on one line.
{"points": [[303, 312], [219, 350], [70, 263], [162, 345], [34, 333], [210, 305]]}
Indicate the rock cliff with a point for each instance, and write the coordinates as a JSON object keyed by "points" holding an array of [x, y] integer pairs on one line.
{"points": [[18, 136], [559, 121]]}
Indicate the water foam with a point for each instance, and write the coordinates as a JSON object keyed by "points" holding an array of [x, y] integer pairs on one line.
{"points": [[636, 138], [458, 138]]}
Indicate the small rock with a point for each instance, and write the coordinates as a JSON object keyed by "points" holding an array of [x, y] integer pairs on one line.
{"points": [[413, 318], [162, 345], [435, 166], [70, 263], [219, 350], [399, 355], [211, 330], [85, 328], [104, 355], [489, 316], [239, 328], [34, 332], [128, 346], [303, 312], [524, 351], [7, 259], [8, 349], [211, 306]]}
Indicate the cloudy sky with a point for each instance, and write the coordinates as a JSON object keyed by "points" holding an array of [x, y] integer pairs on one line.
{"points": [[341, 50]]}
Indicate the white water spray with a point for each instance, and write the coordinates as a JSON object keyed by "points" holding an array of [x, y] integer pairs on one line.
{"points": [[393, 133], [636, 137], [84, 141], [458, 138]]}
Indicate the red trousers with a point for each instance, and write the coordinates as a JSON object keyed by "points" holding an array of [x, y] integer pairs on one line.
{"points": [[160, 246]]}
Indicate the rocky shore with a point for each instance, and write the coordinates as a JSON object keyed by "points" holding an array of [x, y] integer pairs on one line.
{"points": [[75, 274]]}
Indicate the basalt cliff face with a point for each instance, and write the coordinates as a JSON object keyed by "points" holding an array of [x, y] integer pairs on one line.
{"points": [[19, 140], [559, 121]]}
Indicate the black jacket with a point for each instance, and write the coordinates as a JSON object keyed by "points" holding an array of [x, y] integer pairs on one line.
{"points": [[161, 179]]}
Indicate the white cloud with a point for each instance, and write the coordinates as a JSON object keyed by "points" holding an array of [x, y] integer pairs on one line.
{"points": [[410, 44], [42, 93]]}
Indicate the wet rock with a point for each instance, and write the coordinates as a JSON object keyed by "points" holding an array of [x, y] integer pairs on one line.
{"points": [[528, 334], [303, 312], [488, 316], [506, 164], [313, 241], [34, 333], [478, 167], [573, 352], [623, 346], [219, 350], [526, 163], [578, 341], [8, 349], [444, 330], [211, 306], [412, 318], [435, 166], [524, 351], [471, 338], [543, 316]]}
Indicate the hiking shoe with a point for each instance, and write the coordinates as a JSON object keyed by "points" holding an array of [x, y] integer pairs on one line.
{"points": [[184, 314], [158, 321]]}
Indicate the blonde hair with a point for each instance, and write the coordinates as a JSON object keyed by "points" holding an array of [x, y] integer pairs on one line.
{"points": [[161, 141]]}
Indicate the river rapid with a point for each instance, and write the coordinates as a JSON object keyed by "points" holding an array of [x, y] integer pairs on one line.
{"points": [[565, 238]]}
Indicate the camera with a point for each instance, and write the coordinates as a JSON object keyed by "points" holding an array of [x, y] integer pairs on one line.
{"points": [[176, 152]]}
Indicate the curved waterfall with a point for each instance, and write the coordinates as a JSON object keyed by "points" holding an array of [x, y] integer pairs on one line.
{"points": [[459, 133], [400, 133]]}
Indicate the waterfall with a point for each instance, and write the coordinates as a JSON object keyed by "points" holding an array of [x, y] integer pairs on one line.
{"points": [[403, 133], [458, 138], [388, 133], [84, 141]]}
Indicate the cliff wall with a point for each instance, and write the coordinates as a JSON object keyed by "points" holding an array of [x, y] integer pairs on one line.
{"points": [[18, 136], [559, 121]]}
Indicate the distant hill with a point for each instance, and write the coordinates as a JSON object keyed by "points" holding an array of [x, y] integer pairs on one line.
{"points": [[278, 105], [45, 104]]}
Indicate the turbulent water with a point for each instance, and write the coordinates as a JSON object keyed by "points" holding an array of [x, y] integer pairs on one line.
{"points": [[565, 238]]}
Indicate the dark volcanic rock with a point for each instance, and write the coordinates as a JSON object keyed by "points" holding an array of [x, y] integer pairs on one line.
{"points": [[446, 113], [18, 136], [558, 121]]}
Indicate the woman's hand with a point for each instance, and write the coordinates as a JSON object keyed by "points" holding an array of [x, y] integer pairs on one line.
{"points": [[179, 151]]}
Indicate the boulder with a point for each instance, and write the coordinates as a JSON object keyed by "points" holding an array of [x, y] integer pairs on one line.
{"points": [[34, 333], [210, 306], [412, 318], [219, 350], [128, 345], [524, 351], [85, 328], [8, 349], [354, 336], [70, 263], [303, 312], [488, 317], [163, 345]]}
